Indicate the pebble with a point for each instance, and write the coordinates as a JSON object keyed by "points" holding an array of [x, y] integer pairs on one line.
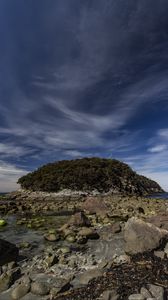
{"points": [[51, 237], [110, 295], [156, 291], [145, 293], [65, 250], [160, 254]]}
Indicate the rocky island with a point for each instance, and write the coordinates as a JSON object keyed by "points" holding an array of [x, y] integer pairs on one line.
{"points": [[87, 231]]}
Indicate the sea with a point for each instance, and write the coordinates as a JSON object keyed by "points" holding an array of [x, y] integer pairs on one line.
{"points": [[159, 196]]}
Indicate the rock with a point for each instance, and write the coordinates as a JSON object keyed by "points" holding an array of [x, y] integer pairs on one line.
{"points": [[121, 259], [88, 233], [156, 291], [51, 237], [6, 281], [30, 296], [24, 245], [160, 254], [71, 238], [8, 252], [103, 264], [63, 228], [159, 221], [51, 260], [145, 293], [79, 219], [116, 227], [166, 249], [12, 265], [2, 222], [20, 291], [60, 286], [94, 205], [141, 236], [40, 288], [109, 295], [136, 297], [84, 278], [81, 240], [65, 250]]}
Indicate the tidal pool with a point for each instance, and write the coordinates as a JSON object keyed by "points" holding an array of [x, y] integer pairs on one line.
{"points": [[34, 235]]}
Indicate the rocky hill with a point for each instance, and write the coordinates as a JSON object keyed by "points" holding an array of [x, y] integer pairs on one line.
{"points": [[88, 174]]}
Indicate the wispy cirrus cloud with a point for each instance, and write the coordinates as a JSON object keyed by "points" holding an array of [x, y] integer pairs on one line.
{"points": [[9, 175], [84, 78]]}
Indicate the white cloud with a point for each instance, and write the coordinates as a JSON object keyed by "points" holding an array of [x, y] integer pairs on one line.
{"points": [[9, 174], [159, 177], [163, 133], [157, 148], [11, 149]]}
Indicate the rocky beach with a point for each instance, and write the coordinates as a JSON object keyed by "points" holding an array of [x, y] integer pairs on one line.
{"points": [[83, 150], [81, 246]]}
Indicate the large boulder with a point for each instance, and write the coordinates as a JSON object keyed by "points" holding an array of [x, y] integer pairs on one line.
{"points": [[140, 236], [8, 252], [159, 221], [94, 205]]}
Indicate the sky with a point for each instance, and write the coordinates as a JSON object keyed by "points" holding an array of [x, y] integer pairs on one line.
{"points": [[81, 79]]}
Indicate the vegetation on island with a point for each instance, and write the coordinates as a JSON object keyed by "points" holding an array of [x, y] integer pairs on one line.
{"points": [[88, 174]]}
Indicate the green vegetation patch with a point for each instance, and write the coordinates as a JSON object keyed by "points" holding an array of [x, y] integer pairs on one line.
{"points": [[88, 174]]}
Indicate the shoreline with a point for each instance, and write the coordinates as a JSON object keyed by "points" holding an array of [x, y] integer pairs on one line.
{"points": [[81, 257]]}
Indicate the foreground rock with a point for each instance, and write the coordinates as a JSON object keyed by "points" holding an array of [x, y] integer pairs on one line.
{"points": [[141, 236], [8, 252]]}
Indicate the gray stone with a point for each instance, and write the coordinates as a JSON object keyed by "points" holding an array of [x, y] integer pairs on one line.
{"points": [[71, 238], [30, 296], [12, 265], [5, 281], [51, 260], [141, 236], [136, 297], [109, 295], [121, 259], [6, 295], [40, 288], [166, 249], [20, 291], [65, 250], [51, 237], [116, 227], [88, 233], [84, 278], [145, 292], [60, 286], [160, 254], [94, 205], [156, 291], [79, 219]]}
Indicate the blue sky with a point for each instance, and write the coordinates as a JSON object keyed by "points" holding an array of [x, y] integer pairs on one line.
{"points": [[83, 78]]}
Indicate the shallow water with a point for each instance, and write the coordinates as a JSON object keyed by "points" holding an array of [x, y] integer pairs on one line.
{"points": [[20, 233]]}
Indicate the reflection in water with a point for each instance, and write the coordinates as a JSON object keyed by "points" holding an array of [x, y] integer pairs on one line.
{"points": [[18, 233]]}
